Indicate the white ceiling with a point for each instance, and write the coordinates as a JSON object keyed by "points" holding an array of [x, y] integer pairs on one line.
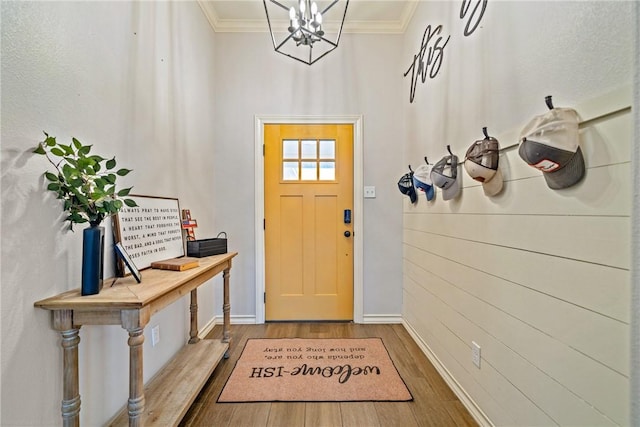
{"points": [[363, 16]]}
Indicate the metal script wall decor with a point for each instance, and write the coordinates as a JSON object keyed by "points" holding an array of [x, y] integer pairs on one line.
{"points": [[428, 61], [429, 66], [475, 16]]}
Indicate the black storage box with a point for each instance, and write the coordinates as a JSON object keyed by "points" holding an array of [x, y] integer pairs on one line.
{"points": [[207, 247]]}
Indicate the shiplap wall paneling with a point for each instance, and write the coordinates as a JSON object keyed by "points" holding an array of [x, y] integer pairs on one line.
{"points": [[436, 335], [563, 236], [511, 379], [482, 300], [564, 281], [539, 278]]}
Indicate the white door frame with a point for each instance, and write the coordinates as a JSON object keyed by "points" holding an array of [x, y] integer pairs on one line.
{"points": [[356, 121]]}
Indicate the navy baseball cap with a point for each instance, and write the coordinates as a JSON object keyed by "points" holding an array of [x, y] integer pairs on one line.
{"points": [[405, 184]]}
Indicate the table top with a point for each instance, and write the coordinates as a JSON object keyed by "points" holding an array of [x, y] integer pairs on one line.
{"points": [[125, 293]]}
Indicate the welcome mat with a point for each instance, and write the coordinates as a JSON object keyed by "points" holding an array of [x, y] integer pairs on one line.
{"points": [[314, 370]]}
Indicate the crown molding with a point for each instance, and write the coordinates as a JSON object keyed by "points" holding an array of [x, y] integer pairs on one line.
{"points": [[350, 26]]}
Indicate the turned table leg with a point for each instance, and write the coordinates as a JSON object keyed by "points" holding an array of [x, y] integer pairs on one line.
{"points": [[63, 322], [193, 308], [226, 309], [134, 322]]}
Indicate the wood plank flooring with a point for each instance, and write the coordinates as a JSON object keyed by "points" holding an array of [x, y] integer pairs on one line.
{"points": [[434, 403]]}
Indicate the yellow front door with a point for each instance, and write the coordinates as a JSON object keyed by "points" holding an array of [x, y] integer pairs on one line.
{"points": [[308, 240]]}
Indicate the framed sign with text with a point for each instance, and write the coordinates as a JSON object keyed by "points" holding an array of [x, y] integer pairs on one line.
{"points": [[151, 231]]}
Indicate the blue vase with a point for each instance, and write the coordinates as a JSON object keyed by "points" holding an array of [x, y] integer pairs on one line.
{"points": [[92, 259]]}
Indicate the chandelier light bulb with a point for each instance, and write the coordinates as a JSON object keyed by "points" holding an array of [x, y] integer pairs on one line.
{"points": [[317, 21], [292, 13], [303, 7], [314, 9], [319, 31]]}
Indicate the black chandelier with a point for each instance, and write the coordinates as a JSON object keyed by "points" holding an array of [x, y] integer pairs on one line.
{"points": [[305, 38]]}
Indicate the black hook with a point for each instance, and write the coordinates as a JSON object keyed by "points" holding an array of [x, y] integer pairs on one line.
{"points": [[411, 170], [425, 160], [484, 131], [549, 102], [449, 150]]}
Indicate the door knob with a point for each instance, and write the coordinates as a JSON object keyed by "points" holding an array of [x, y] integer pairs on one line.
{"points": [[347, 233]]}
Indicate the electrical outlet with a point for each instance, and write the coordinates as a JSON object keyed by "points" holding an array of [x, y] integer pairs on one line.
{"points": [[155, 335], [369, 192], [475, 354]]}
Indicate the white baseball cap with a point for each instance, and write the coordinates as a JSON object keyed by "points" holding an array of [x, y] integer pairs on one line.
{"points": [[550, 143], [422, 180]]}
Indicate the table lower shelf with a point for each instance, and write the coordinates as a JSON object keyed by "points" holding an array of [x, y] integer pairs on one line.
{"points": [[170, 393]]}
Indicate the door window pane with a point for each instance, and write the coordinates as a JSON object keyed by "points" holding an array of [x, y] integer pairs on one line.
{"points": [[290, 171], [327, 171], [328, 149], [290, 149], [308, 160], [309, 150], [309, 171]]}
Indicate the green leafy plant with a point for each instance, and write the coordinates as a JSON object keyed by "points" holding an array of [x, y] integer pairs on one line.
{"points": [[85, 182]]}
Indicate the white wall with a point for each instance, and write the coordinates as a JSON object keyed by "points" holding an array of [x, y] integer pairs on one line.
{"points": [[539, 278], [134, 79], [635, 231], [360, 77]]}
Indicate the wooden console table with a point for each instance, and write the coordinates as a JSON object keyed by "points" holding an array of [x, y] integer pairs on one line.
{"points": [[131, 305]]}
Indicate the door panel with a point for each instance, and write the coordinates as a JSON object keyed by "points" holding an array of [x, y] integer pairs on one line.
{"points": [[308, 185], [290, 248], [326, 233]]}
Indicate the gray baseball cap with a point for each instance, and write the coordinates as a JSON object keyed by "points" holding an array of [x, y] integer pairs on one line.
{"points": [[550, 143], [444, 175]]}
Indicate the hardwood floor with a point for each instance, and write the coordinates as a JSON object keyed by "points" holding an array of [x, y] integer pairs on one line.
{"points": [[434, 403]]}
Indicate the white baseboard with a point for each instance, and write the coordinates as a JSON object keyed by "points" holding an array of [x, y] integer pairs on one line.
{"points": [[251, 320], [219, 320], [381, 318], [475, 411], [204, 331], [239, 320]]}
